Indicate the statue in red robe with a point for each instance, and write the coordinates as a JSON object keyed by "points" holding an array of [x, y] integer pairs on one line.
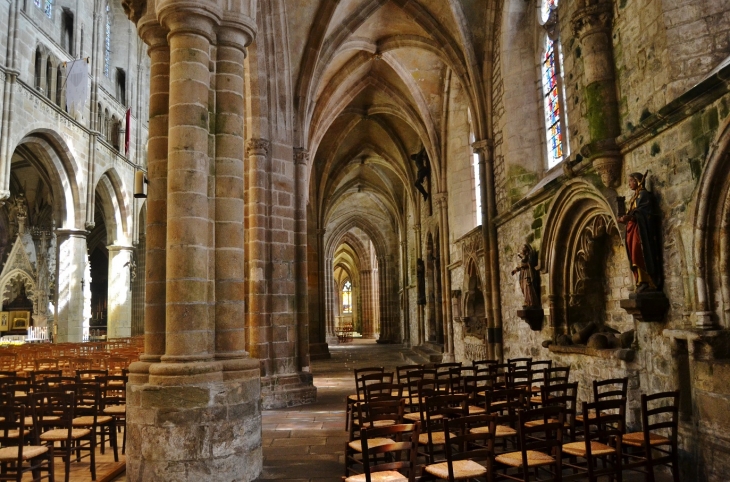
{"points": [[643, 234]]}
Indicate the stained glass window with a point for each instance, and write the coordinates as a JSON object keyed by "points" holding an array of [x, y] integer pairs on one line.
{"points": [[347, 297], [548, 5], [552, 104], [48, 10], [37, 3], [108, 40]]}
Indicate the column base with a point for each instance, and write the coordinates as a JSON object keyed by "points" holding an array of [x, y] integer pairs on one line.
{"points": [[281, 391], [178, 431], [319, 351]]}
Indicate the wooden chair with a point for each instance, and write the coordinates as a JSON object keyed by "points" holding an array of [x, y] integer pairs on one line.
{"points": [[602, 432], [614, 388], [48, 406], [469, 441], [379, 414], [564, 395], [359, 395], [551, 376], [418, 390], [438, 409], [505, 405], [662, 415], [21, 450], [88, 414], [473, 386], [46, 364], [387, 452], [114, 403], [483, 365], [540, 448], [376, 392]]}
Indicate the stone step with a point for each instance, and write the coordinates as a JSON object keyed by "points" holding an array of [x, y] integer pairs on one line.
{"points": [[423, 354]]}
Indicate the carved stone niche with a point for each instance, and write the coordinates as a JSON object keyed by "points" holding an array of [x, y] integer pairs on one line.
{"points": [[650, 306]]}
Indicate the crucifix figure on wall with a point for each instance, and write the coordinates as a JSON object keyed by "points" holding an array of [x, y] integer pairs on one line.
{"points": [[424, 171]]}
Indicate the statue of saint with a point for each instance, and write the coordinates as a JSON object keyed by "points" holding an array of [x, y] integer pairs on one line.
{"points": [[424, 171], [528, 277], [643, 233]]}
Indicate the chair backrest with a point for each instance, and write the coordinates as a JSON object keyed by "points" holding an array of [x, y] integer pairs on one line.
{"points": [[520, 378], [565, 395], [440, 367], [546, 436], [401, 455], [483, 364], [370, 379], [539, 365], [54, 409], [660, 411], [91, 375], [608, 425], [475, 384], [497, 368], [375, 413], [113, 390], [505, 404], [520, 362], [52, 384], [12, 423], [46, 364], [464, 442], [449, 381], [557, 375], [610, 389], [383, 391], [403, 370], [39, 375]]}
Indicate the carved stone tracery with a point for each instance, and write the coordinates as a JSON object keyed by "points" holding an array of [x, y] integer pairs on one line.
{"points": [[596, 228]]}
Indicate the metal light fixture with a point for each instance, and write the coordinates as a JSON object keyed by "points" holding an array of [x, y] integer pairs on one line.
{"points": [[140, 185]]}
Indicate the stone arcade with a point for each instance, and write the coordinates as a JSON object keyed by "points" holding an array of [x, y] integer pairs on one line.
{"points": [[374, 167]]}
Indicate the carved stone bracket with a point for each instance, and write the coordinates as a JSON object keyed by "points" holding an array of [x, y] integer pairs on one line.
{"points": [[301, 156], [533, 317], [648, 306]]}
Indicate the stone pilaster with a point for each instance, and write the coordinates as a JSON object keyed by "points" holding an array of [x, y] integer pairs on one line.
{"points": [[258, 316], [119, 308], [592, 24], [230, 338], [329, 301]]}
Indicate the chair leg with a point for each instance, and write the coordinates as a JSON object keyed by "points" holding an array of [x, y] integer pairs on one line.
{"points": [[113, 438], [92, 446], [69, 451], [51, 464]]}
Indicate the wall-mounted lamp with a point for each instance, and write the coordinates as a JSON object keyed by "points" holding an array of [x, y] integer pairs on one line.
{"points": [[140, 185]]}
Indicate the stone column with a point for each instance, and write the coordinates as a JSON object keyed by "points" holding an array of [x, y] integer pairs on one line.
{"points": [[366, 294], [155, 273], [484, 148], [592, 24], [189, 330], [187, 396], [259, 319], [230, 339], [301, 160], [403, 301], [419, 307], [330, 307], [73, 283], [441, 200], [119, 308]]}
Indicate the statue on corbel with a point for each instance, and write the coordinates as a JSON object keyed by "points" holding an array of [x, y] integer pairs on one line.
{"points": [[644, 250], [529, 279], [423, 172]]}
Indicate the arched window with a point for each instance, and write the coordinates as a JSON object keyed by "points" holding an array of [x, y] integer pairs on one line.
{"points": [[553, 90], [59, 88], [347, 297], [46, 5], [477, 178], [49, 78], [37, 74], [108, 40]]}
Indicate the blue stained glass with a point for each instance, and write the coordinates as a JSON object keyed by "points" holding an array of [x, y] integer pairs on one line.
{"points": [[107, 40], [48, 10], [37, 3], [552, 105]]}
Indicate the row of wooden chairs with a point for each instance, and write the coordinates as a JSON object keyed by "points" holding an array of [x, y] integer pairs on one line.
{"points": [[72, 412], [542, 450]]}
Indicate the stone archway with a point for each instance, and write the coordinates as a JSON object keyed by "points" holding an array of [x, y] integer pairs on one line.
{"points": [[711, 243]]}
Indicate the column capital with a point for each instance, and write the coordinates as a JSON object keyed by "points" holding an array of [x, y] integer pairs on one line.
{"points": [[480, 147], [187, 16], [301, 156], [257, 147], [238, 26], [594, 18]]}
